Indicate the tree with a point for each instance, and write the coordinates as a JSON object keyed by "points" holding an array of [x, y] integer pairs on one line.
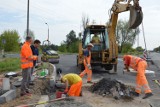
{"points": [[62, 47], [157, 49], [127, 47], [139, 49], [54, 47], [10, 41], [85, 21], [124, 35], [71, 43], [70, 38], [31, 33]]}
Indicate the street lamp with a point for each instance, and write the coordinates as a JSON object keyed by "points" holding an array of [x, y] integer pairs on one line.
{"points": [[28, 18], [48, 33]]}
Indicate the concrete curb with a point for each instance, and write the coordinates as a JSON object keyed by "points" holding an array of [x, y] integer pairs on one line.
{"points": [[8, 96], [148, 73], [53, 77]]}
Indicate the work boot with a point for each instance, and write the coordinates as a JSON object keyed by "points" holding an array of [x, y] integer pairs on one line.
{"points": [[25, 94], [134, 93], [31, 83], [147, 95], [81, 94]]}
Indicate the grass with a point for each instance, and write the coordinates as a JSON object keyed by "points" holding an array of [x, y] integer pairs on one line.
{"points": [[9, 64], [65, 52]]}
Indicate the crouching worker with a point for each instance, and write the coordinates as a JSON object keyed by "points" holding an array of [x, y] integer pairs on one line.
{"points": [[140, 66], [75, 83]]}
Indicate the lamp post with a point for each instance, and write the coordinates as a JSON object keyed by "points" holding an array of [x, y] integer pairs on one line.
{"points": [[28, 18], [48, 33]]}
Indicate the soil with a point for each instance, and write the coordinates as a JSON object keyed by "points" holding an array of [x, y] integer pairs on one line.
{"points": [[90, 99]]}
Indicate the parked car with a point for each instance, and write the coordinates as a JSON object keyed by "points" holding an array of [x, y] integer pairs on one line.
{"points": [[50, 56]]}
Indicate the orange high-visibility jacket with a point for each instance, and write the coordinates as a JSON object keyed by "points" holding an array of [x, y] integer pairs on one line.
{"points": [[132, 61], [26, 56]]}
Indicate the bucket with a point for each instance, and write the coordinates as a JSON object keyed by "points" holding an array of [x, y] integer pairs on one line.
{"points": [[60, 94], [43, 73]]}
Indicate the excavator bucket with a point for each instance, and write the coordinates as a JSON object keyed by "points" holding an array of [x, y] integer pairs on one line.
{"points": [[136, 17]]}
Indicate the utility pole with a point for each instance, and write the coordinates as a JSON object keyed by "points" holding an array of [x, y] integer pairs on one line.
{"points": [[28, 18], [144, 37]]}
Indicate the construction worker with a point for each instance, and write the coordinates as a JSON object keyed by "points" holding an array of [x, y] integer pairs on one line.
{"points": [[26, 64], [75, 82], [87, 64], [139, 65], [95, 39], [35, 51]]}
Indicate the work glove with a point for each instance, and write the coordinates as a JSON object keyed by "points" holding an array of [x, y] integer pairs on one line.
{"points": [[89, 66], [65, 91]]}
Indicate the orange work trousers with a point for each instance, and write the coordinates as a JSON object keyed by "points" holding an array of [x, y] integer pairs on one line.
{"points": [[88, 72], [75, 89], [141, 80]]}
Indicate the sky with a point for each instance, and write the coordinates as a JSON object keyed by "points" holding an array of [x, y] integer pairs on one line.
{"points": [[63, 16]]}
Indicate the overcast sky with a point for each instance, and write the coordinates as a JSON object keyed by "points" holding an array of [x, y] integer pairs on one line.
{"points": [[65, 15]]}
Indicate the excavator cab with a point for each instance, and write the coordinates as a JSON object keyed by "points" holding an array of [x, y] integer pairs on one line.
{"points": [[97, 35]]}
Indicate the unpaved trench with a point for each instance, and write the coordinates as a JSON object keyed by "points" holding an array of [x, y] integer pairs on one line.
{"points": [[93, 100]]}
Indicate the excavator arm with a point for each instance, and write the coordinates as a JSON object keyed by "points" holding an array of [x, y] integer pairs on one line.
{"points": [[135, 20]]}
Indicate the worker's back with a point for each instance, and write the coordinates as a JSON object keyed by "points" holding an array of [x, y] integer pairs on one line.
{"points": [[72, 78], [25, 53], [132, 61]]}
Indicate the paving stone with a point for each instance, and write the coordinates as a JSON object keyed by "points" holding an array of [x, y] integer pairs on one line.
{"points": [[2, 99], [10, 95]]}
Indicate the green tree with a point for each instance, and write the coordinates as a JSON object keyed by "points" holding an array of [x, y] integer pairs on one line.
{"points": [[157, 49], [62, 47], [31, 33], [124, 35], [71, 43], [126, 48], [139, 49], [71, 37], [10, 41]]}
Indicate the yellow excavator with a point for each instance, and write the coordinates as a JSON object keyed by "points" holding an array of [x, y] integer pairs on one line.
{"points": [[105, 53]]}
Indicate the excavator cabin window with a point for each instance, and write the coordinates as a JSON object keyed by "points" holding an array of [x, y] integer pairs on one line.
{"points": [[98, 36]]}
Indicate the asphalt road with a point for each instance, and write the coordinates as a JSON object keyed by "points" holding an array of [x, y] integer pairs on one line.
{"points": [[68, 65]]}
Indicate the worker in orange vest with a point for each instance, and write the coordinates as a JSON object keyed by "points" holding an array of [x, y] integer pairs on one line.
{"points": [[75, 82], [26, 64], [87, 63], [139, 65]]}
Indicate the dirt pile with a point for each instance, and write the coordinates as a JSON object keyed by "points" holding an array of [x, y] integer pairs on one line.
{"points": [[117, 89]]}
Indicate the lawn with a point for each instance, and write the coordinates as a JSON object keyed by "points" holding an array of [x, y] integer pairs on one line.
{"points": [[9, 64]]}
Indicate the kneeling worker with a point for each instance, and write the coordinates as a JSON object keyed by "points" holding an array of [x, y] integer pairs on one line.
{"points": [[75, 83], [140, 66]]}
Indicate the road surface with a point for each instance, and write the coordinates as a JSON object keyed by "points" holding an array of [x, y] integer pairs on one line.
{"points": [[68, 65]]}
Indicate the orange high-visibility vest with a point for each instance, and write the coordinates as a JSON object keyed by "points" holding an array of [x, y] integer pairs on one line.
{"points": [[88, 59], [26, 56], [134, 62]]}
